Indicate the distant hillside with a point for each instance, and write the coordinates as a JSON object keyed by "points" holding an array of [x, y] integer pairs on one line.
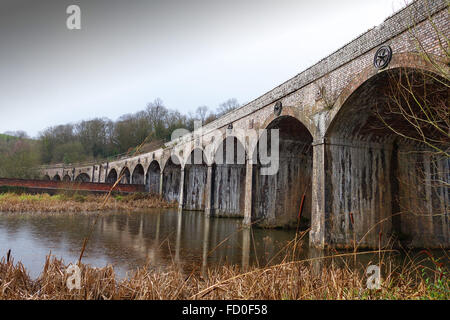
{"points": [[7, 138]]}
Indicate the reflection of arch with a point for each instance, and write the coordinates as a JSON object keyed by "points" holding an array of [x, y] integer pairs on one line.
{"points": [[125, 174], [194, 186], [83, 177], [277, 195], [112, 176], [67, 178], [153, 176], [171, 180], [138, 175], [373, 173], [228, 178], [56, 178], [46, 177]]}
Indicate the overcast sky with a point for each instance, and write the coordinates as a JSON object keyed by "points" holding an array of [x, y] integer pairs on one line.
{"points": [[187, 52]]}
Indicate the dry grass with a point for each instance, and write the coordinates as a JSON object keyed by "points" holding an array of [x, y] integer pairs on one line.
{"points": [[289, 280], [40, 203]]}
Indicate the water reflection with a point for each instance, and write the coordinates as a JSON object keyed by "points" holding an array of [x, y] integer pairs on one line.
{"points": [[155, 237]]}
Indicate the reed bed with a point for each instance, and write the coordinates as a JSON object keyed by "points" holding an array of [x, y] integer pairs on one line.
{"points": [[286, 281], [73, 203]]}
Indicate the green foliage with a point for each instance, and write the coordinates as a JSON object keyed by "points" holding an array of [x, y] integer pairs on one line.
{"points": [[19, 156], [102, 138], [98, 138], [436, 281]]}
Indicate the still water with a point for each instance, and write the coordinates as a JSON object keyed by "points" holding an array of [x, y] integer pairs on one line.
{"points": [[157, 237]]}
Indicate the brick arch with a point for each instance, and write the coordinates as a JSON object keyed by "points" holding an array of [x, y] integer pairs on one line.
{"points": [[294, 112], [220, 143], [126, 175], [138, 174], [286, 111], [371, 173], [207, 158], [165, 160], [289, 111], [83, 177], [112, 175], [410, 60]]}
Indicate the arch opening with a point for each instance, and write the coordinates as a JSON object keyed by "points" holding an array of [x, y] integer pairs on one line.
{"points": [[56, 178], [228, 179], [83, 177], [380, 172], [46, 177], [67, 178], [171, 180], [277, 198], [125, 174], [194, 186], [153, 177], [112, 176], [138, 175]]}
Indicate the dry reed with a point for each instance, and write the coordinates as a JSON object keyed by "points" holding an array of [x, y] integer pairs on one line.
{"points": [[44, 203], [288, 280]]}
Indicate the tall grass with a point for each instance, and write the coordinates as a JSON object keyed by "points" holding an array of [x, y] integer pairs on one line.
{"points": [[64, 202], [289, 280]]}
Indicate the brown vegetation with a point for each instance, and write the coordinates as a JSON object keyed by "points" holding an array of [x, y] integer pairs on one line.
{"points": [[40, 203], [289, 280]]}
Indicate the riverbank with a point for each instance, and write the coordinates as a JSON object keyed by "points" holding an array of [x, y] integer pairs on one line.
{"points": [[73, 202], [287, 281]]}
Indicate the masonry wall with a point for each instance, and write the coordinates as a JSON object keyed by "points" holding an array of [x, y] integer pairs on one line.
{"points": [[228, 190], [195, 187], [171, 183]]}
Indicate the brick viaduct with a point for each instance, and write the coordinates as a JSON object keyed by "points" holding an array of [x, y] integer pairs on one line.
{"points": [[354, 176]]}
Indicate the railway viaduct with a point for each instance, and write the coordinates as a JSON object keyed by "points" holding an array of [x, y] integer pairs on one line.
{"points": [[351, 176]]}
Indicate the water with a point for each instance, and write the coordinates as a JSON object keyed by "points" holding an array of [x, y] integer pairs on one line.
{"points": [[157, 237]]}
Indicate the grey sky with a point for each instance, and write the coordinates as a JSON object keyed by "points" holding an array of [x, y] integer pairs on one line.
{"points": [[188, 53]]}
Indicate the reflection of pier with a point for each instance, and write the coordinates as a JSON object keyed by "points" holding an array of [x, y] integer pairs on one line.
{"points": [[138, 236]]}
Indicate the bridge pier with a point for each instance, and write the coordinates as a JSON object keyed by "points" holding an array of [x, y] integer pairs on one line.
{"points": [[248, 192], [161, 177], [208, 190], [317, 235], [181, 195]]}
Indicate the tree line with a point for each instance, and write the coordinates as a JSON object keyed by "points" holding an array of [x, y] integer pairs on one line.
{"points": [[99, 138]]}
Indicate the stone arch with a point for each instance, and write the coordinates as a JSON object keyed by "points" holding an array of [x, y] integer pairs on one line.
{"points": [[125, 175], [228, 178], [56, 177], [410, 60], [112, 176], [46, 177], [373, 176], [171, 179], [196, 155], [194, 186], [283, 186], [290, 111], [153, 177], [138, 176], [67, 178], [83, 177]]}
